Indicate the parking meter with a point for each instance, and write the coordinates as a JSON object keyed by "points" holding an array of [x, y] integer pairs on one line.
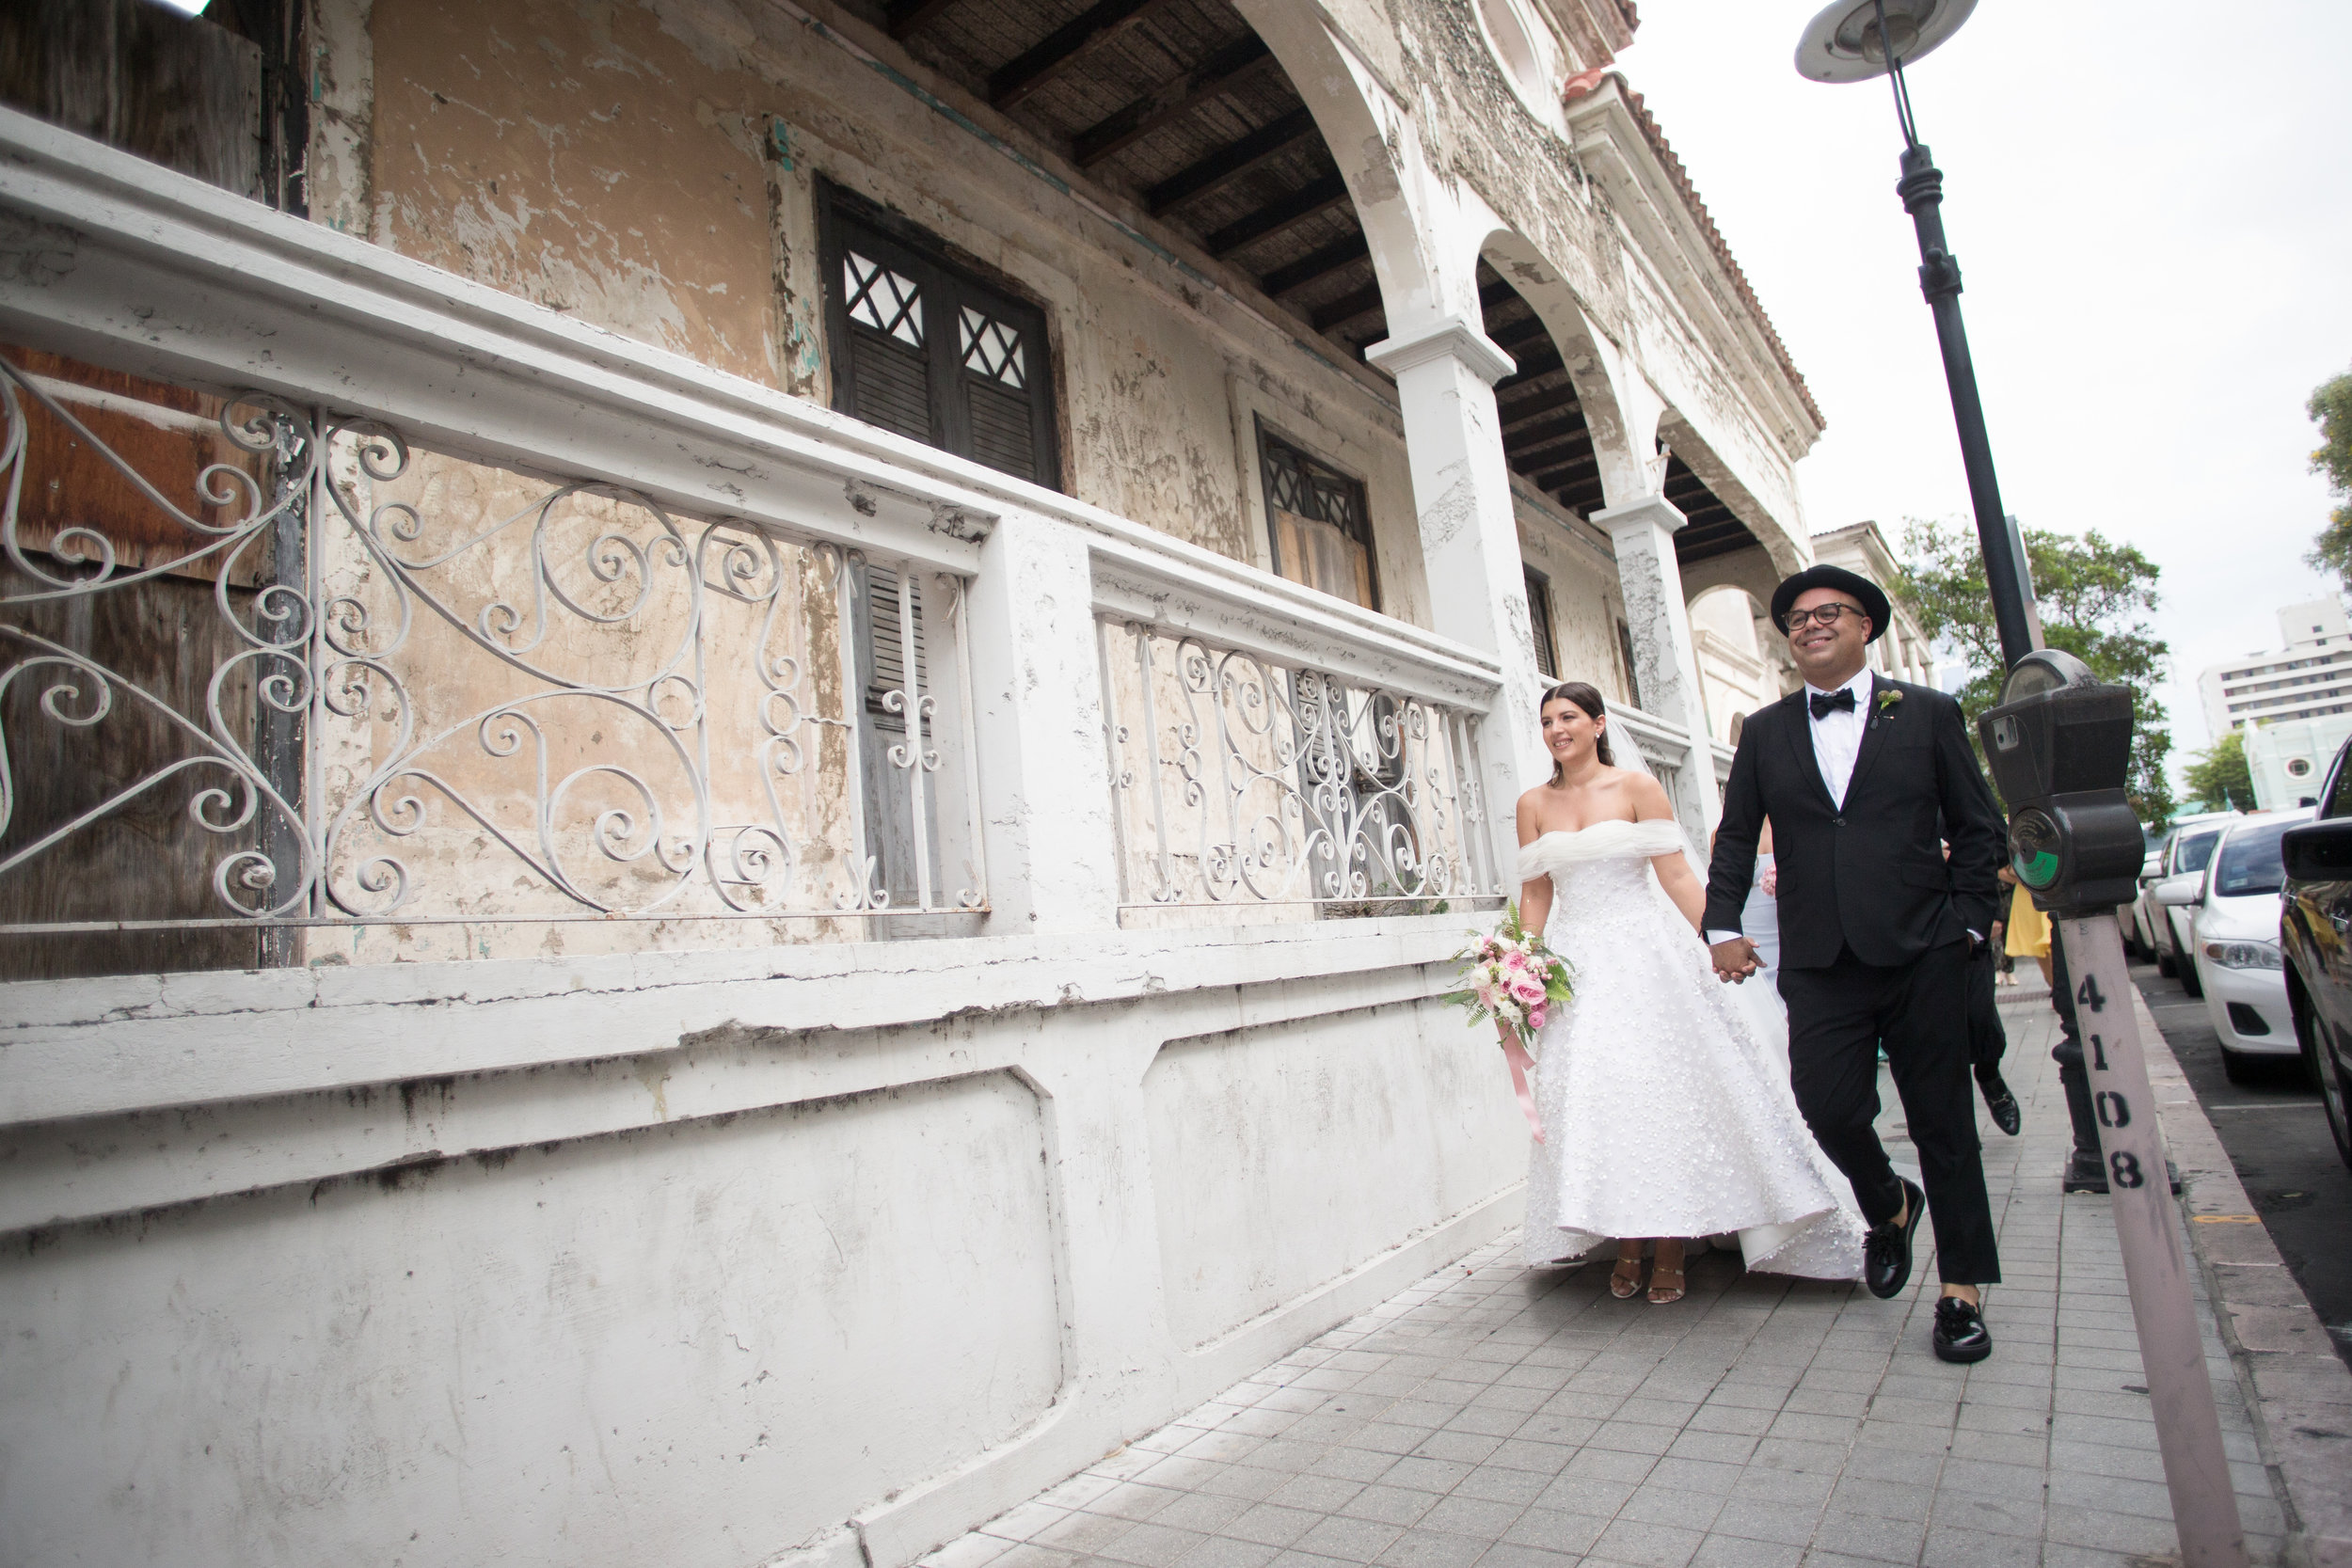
{"points": [[2059, 746]]}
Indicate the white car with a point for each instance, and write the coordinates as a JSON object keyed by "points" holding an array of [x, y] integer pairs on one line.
{"points": [[2183, 874], [2234, 925]]}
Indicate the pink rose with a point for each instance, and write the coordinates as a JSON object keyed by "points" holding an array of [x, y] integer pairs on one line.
{"points": [[1535, 1016], [1527, 989]]}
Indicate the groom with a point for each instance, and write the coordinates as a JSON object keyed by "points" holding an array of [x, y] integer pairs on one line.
{"points": [[1862, 779]]}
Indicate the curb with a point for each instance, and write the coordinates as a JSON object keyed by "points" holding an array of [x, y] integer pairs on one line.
{"points": [[2297, 1387]]}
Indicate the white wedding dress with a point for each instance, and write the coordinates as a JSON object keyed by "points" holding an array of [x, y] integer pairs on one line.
{"points": [[1665, 1092]]}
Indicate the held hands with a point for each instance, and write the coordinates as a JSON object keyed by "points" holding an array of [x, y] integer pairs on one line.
{"points": [[1735, 960]]}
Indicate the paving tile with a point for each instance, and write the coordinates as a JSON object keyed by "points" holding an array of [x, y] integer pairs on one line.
{"points": [[1759, 1519], [1082, 1534], [1509, 1554], [1733, 1551], [1433, 1549], [1554, 1529], [1491, 1483], [1152, 1546], [1864, 1535], [1129, 1499], [1586, 1495], [1483, 1518], [1350, 1539], [1654, 1504], [1394, 1505], [1222, 1551], [1630, 1541]]}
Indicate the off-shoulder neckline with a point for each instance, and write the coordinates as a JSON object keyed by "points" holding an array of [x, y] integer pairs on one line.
{"points": [[1590, 827]]}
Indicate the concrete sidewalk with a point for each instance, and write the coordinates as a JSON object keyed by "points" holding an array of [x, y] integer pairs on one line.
{"points": [[1513, 1417]]}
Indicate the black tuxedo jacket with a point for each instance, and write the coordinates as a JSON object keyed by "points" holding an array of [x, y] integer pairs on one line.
{"points": [[1869, 876]]}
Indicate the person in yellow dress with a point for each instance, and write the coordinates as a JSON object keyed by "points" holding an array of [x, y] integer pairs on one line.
{"points": [[2028, 927]]}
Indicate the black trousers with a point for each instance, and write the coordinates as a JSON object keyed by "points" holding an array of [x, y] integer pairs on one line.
{"points": [[1836, 1017], [1987, 1040]]}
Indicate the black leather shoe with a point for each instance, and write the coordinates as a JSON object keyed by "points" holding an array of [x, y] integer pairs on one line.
{"points": [[1960, 1332], [1886, 1248], [2002, 1103]]}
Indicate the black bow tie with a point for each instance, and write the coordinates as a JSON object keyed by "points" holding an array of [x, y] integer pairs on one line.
{"points": [[1831, 702]]}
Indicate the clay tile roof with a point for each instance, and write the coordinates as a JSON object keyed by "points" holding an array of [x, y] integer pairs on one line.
{"points": [[1589, 82]]}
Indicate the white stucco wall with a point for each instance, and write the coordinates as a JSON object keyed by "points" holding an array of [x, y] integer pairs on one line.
{"points": [[692, 1261]]}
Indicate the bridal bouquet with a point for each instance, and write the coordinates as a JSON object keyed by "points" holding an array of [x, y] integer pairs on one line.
{"points": [[1510, 974], [1513, 976]]}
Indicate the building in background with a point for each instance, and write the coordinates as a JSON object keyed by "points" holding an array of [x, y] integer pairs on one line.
{"points": [[2309, 677], [2288, 757]]}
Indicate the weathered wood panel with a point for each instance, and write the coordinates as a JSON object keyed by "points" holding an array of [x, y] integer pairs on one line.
{"points": [[182, 91]]}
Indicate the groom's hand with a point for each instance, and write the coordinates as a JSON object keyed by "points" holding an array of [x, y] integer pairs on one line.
{"points": [[1735, 960]]}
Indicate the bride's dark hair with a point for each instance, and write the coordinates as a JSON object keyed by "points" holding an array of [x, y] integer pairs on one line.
{"points": [[1589, 700]]}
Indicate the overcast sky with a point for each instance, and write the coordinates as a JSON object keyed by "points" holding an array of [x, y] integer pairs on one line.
{"points": [[2151, 206]]}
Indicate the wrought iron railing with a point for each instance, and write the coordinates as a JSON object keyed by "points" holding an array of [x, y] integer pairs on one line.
{"points": [[1239, 780], [265, 666]]}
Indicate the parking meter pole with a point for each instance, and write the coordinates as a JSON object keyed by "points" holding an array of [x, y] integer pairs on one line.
{"points": [[2156, 1265]]}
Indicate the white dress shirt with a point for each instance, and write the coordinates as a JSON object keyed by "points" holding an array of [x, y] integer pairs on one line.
{"points": [[1838, 734]]}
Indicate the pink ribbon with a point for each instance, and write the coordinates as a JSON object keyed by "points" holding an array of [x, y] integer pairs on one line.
{"points": [[1521, 1065]]}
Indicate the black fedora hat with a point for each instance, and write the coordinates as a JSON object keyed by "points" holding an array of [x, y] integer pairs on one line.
{"points": [[1873, 599]]}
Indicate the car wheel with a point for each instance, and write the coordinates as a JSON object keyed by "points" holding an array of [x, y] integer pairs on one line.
{"points": [[2320, 1068], [2237, 1066], [2333, 1094], [2163, 965], [2190, 982]]}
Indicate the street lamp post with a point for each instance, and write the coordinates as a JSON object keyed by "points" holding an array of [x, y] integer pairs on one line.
{"points": [[1855, 41]]}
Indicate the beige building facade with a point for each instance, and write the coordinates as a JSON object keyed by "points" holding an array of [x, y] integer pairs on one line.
{"points": [[758, 727]]}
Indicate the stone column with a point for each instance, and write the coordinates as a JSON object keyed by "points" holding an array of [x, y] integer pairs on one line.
{"points": [[1469, 540], [1665, 661]]}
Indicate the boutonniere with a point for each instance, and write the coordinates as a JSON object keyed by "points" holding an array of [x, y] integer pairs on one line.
{"points": [[1887, 697]]}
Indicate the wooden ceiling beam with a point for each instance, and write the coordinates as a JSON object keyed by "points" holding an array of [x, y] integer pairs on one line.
{"points": [[910, 17], [1310, 201], [1562, 396], [1346, 309], [1037, 64], [1519, 332], [1543, 362], [1316, 266], [1170, 101], [1551, 479], [1229, 162], [1572, 427]]}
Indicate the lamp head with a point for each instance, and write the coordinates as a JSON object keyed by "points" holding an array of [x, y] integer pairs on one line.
{"points": [[1842, 43]]}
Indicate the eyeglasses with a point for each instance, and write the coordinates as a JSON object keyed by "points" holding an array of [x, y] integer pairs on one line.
{"points": [[1819, 615]]}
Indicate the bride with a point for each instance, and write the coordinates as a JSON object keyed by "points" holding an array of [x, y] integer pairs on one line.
{"points": [[1666, 1093]]}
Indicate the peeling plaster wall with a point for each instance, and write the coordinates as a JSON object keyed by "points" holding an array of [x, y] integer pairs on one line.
{"points": [[651, 167]]}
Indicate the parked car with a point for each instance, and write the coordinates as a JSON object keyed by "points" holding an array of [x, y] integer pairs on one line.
{"points": [[2315, 934], [2232, 938], [2185, 855], [2139, 939]]}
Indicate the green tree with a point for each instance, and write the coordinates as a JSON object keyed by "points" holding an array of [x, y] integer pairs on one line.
{"points": [[2094, 595], [2330, 408], [2219, 775]]}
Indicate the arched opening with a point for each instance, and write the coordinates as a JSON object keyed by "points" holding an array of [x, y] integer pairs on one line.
{"points": [[1739, 673], [1183, 107]]}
